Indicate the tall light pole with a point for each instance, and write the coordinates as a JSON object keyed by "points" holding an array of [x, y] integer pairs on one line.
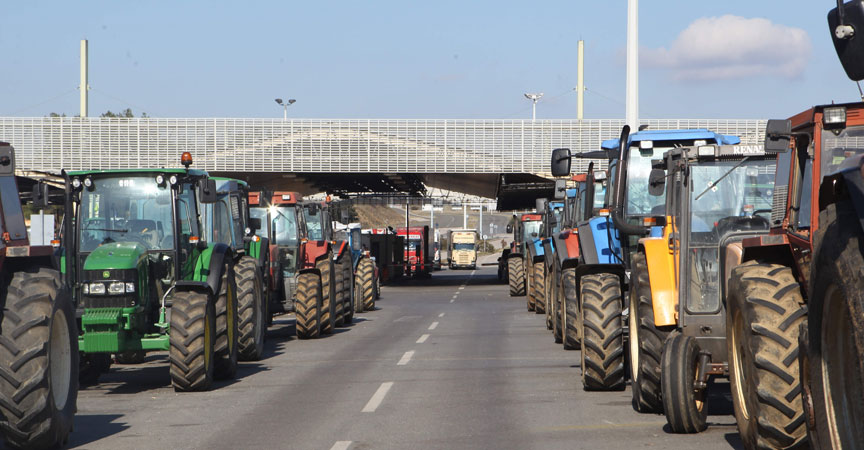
{"points": [[84, 86], [285, 106], [632, 109], [533, 98]]}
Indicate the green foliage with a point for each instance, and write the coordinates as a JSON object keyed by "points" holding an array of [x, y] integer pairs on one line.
{"points": [[124, 114]]}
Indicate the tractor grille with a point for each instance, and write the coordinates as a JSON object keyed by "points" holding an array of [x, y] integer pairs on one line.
{"points": [[108, 301], [778, 207]]}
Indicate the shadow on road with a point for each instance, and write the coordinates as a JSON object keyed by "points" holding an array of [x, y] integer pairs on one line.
{"points": [[93, 427]]}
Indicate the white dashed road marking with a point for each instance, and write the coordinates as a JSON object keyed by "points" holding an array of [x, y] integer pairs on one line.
{"points": [[423, 339], [341, 445], [405, 358], [433, 326], [378, 397], [441, 315]]}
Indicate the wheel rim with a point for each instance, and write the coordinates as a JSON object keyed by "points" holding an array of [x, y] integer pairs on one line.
{"points": [[207, 346], [738, 364], [634, 342], [230, 304], [843, 406], [698, 394], [60, 364], [259, 320]]}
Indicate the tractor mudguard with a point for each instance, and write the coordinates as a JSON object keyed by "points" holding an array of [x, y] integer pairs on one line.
{"points": [[661, 274], [549, 252], [313, 250], [599, 241], [208, 268], [515, 255], [569, 263], [196, 286], [340, 249], [260, 250], [567, 244], [847, 182]]}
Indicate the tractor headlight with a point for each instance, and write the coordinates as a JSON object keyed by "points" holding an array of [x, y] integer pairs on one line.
{"points": [[172, 179], [76, 183], [130, 288], [88, 182], [85, 288], [160, 179], [116, 287], [97, 288], [834, 116]]}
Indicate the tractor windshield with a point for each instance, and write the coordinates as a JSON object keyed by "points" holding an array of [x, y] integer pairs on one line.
{"points": [[131, 209], [530, 230], [558, 213], [739, 202], [285, 225], [599, 194], [639, 202], [836, 148]]}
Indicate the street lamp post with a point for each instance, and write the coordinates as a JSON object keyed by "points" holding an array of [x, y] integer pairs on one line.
{"points": [[285, 106], [533, 98]]}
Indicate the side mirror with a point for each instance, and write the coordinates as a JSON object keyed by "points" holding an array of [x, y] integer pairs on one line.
{"points": [[509, 228], [540, 205], [560, 162], [7, 159], [254, 224], [560, 189], [845, 22], [40, 195], [778, 133], [656, 182], [207, 191]]}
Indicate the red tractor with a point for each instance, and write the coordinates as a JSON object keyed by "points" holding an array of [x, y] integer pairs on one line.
{"points": [[38, 333]]}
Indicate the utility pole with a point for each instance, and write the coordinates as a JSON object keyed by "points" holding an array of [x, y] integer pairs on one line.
{"points": [[464, 216], [580, 80], [632, 110], [85, 86], [480, 225]]}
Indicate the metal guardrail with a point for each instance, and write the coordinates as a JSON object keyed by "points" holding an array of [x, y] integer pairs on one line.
{"points": [[320, 145]]}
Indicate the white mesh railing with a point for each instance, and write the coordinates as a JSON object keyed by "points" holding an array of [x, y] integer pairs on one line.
{"points": [[320, 145]]}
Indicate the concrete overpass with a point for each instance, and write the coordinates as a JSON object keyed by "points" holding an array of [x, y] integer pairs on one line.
{"points": [[504, 159]]}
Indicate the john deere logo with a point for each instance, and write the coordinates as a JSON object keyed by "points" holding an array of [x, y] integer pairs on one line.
{"points": [[106, 274]]}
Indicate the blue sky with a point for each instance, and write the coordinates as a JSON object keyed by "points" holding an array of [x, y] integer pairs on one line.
{"points": [[407, 59]]}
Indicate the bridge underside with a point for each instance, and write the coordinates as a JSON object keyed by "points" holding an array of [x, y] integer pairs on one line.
{"points": [[513, 190]]}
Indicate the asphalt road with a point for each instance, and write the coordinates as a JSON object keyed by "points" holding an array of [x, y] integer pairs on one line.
{"points": [[447, 362]]}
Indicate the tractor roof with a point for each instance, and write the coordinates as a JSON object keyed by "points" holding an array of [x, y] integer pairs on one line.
{"points": [[190, 172], [531, 217], [674, 135]]}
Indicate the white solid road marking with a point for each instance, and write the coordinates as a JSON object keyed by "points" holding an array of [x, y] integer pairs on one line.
{"points": [[441, 315], [423, 339], [341, 445], [378, 397], [433, 326], [406, 357]]}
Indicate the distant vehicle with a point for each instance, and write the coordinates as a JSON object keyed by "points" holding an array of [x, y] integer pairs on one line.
{"points": [[418, 255], [463, 249]]}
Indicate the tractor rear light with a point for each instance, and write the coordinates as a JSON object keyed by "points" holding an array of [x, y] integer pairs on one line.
{"points": [[748, 209], [649, 221], [604, 213], [286, 197], [97, 288], [835, 116], [55, 243], [85, 288], [116, 288], [304, 240], [130, 288], [256, 238], [194, 239]]}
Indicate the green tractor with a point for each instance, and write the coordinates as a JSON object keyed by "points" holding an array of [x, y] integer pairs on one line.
{"points": [[143, 277], [227, 221], [38, 342]]}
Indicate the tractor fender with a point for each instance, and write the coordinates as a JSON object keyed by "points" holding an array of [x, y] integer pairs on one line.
{"points": [[208, 268], [515, 255], [312, 251], [339, 249], [847, 182], [260, 250], [661, 263], [569, 263], [196, 286]]}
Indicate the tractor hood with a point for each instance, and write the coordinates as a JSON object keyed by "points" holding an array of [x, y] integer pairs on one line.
{"points": [[115, 256]]}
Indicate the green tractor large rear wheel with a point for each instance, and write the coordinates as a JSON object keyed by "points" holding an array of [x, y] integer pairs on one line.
{"points": [[193, 339], [38, 361]]}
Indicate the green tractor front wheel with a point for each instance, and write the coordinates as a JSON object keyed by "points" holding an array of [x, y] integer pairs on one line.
{"points": [[227, 331], [192, 338], [251, 309]]}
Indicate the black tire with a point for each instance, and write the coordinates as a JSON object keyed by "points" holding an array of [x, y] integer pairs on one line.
{"points": [[348, 289], [251, 309], [132, 357], [685, 409], [227, 332], [328, 294], [602, 333], [38, 360], [557, 319], [646, 341], [339, 293], [836, 332], [307, 306], [538, 286], [192, 355], [365, 285], [516, 277], [762, 325], [549, 299], [570, 310]]}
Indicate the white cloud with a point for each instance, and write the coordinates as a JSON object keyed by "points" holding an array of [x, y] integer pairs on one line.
{"points": [[729, 47]]}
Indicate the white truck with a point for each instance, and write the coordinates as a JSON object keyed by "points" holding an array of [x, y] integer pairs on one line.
{"points": [[462, 249]]}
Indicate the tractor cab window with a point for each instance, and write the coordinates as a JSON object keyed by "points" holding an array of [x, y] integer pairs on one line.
{"points": [[127, 209], [220, 222], [261, 213], [724, 199], [558, 218], [836, 148], [285, 225], [531, 230], [314, 224], [599, 194], [637, 200]]}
